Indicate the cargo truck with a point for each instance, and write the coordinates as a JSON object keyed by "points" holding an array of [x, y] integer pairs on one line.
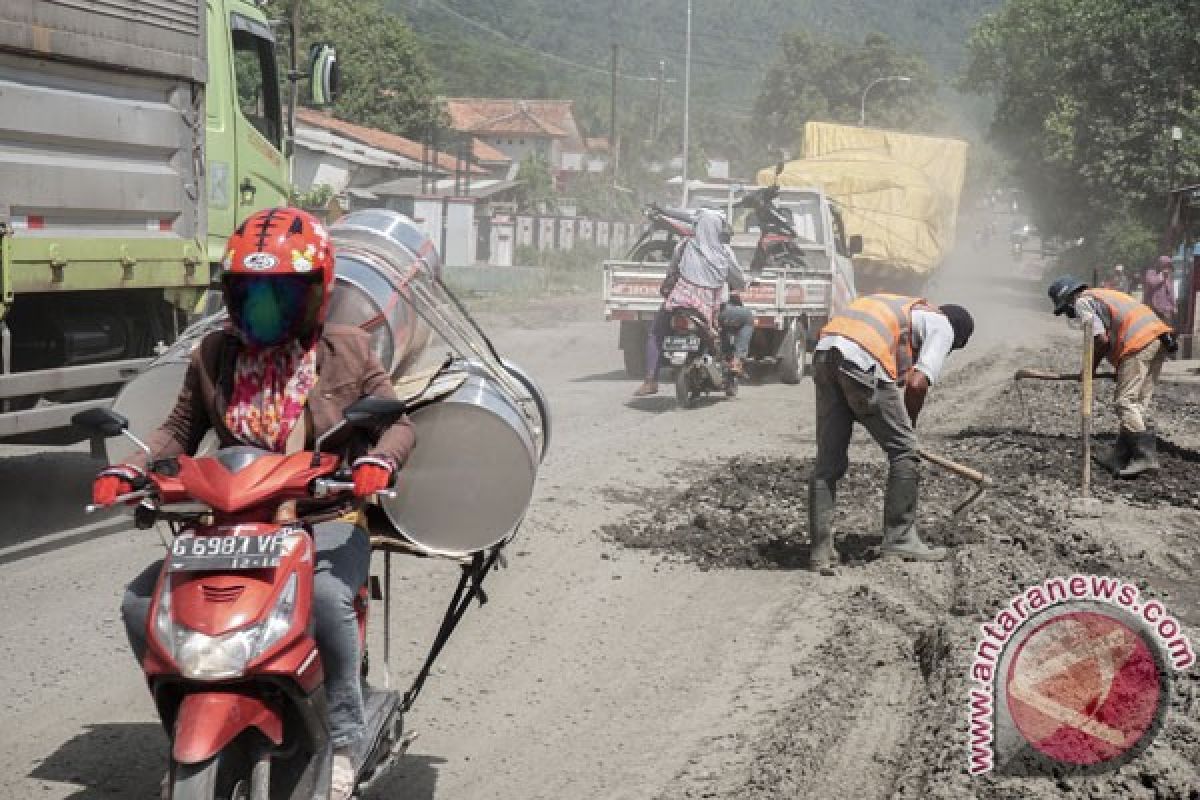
{"points": [[134, 137], [898, 191]]}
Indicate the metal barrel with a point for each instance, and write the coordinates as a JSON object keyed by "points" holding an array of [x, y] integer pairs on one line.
{"points": [[470, 479]]}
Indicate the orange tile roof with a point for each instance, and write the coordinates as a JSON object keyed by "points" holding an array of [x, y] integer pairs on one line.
{"points": [[376, 138], [497, 115]]}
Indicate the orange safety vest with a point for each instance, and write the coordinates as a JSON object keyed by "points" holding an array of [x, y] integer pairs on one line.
{"points": [[1131, 325], [881, 324]]}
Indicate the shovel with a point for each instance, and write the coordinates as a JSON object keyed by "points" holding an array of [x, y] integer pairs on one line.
{"points": [[980, 480]]}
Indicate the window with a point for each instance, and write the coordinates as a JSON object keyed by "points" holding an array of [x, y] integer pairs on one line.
{"points": [[257, 81]]}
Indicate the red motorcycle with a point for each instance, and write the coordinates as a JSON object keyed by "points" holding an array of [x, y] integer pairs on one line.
{"points": [[777, 241], [665, 228], [231, 661]]}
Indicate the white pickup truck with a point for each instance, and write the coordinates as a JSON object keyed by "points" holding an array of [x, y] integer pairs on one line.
{"points": [[794, 285]]}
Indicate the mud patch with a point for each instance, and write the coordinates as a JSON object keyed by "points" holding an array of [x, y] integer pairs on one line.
{"points": [[880, 709]]}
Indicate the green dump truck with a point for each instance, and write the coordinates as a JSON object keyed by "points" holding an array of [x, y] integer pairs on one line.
{"points": [[134, 137]]}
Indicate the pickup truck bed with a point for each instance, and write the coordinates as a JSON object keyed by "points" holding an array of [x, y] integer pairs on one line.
{"points": [[631, 293]]}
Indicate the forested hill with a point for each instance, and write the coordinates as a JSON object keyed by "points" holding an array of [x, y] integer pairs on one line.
{"points": [[484, 47]]}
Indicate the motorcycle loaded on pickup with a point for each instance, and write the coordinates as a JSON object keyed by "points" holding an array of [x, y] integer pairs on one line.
{"points": [[665, 228]]}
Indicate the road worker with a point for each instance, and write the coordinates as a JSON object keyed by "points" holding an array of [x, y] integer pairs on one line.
{"points": [[1136, 342], [874, 364]]}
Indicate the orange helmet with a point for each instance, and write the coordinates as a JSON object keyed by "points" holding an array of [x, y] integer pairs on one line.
{"points": [[278, 277]]}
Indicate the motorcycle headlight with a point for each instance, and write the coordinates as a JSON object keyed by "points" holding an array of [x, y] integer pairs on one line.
{"points": [[203, 657]]}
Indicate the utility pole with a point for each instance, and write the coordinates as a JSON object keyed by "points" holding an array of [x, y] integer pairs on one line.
{"points": [[687, 93], [662, 79], [612, 117], [612, 137]]}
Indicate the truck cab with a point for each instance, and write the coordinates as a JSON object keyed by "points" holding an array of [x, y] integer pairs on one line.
{"points": [[135, 138], [244, 116]]}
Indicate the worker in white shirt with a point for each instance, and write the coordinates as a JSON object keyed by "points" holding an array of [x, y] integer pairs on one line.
{"points": [[874, 364]]}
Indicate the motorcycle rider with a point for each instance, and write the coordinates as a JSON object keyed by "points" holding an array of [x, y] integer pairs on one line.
{"points": [[277, 378], [701, 269], [874, 364]]}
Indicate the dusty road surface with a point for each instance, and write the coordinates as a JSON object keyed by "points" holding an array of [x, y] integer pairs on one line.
{"points": [[652, 635]]}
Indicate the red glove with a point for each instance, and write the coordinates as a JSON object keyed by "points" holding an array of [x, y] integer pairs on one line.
{"points": [[113, 482], [371, 475]]}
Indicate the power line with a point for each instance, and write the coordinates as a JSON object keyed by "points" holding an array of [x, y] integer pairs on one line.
{"points": [[552, 56], [729, 65]]}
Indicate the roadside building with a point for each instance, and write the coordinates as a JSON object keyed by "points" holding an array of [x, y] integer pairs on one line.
{"points": [[518, 128]]}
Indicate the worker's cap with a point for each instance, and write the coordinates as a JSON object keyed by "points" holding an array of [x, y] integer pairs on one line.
{"points": [[1062, 292], [961, 321]]}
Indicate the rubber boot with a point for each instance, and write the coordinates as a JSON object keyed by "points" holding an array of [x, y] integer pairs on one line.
{"points": [[1114, 460], [1143, 455], [822, 557], [900, 538]]}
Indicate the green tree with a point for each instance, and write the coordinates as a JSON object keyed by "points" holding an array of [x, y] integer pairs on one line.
{"points": [[823, 79], [386, 82], [1087, 92], [537, 184]]}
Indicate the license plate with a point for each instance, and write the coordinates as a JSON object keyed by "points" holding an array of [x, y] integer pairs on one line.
{"points": [[192, 553], [689, 344]]}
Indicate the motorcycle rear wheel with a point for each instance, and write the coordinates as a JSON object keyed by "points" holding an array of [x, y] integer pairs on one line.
{"points": [[228, 775], [683, 389]]}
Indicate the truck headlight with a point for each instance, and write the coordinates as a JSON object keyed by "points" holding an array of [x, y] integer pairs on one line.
{"points": [[209, 658]]}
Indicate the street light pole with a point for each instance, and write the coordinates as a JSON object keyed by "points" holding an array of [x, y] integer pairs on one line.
{"points": [[862, 114], [687, 96]]}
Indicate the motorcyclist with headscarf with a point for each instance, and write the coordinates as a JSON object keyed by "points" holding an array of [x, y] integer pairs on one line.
{"points": [[703, 269], [278, 378]]}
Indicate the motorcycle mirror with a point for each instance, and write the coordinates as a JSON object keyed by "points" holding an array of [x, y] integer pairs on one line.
{"points": [[101, 421], [855, 244], [368, 412]]}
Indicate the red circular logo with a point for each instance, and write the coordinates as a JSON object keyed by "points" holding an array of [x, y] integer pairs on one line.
{"points": [[1084, 688]]}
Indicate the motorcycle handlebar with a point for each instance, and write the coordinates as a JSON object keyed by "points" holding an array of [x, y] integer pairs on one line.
{"points": [[325, 487], [322, 488]]}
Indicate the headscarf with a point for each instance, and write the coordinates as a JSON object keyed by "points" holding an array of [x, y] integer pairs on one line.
{"points": [[707, 260], [270, 388]]}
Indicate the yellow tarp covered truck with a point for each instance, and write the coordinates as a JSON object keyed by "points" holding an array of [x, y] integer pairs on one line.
{"points": [[899, 191]]}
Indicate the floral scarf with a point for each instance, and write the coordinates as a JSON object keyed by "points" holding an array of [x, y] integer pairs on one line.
{"points": [[270, 388]]}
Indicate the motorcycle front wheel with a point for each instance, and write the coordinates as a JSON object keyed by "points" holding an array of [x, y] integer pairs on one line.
{"points": [[229, 775]]}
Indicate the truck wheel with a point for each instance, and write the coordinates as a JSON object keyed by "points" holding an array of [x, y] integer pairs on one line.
{"points": [[683, 389], [793, 356], [226, 776], [633, 348]]}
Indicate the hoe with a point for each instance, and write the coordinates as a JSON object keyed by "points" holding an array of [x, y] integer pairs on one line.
{"points": [[980, 480]]}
